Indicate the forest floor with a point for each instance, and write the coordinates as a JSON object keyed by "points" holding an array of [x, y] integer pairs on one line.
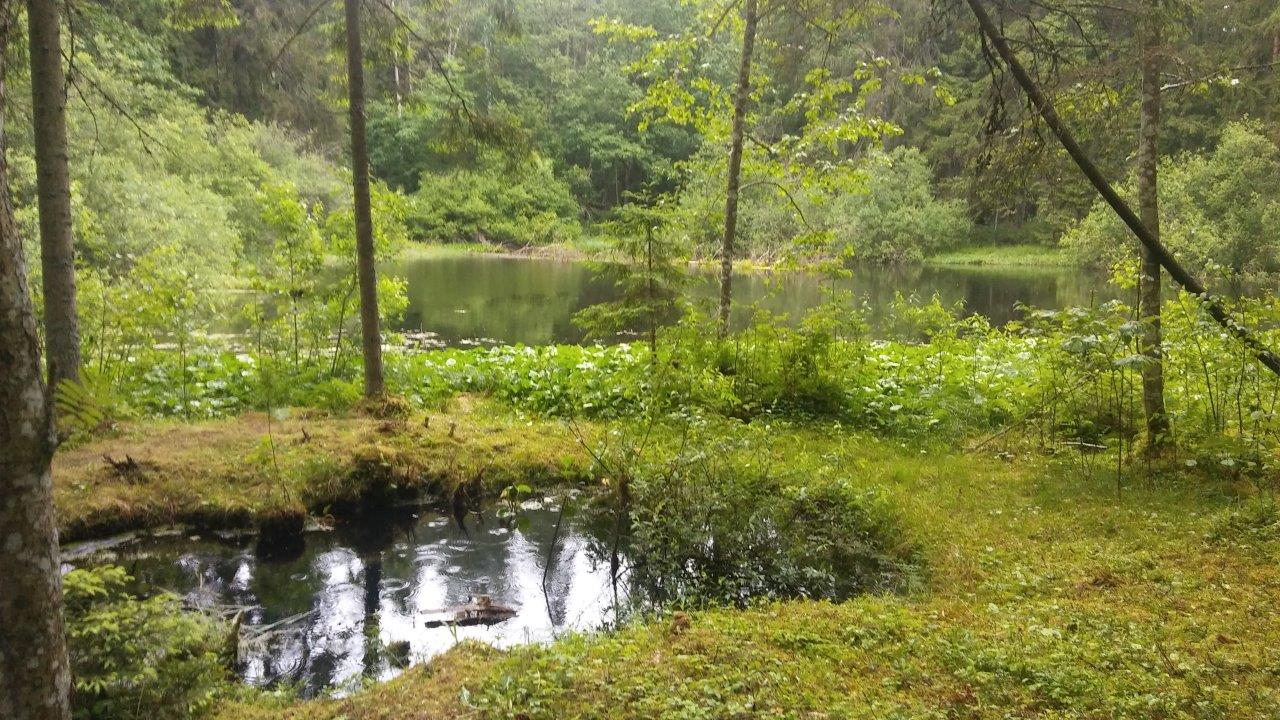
{"points": [[1046, 592]]}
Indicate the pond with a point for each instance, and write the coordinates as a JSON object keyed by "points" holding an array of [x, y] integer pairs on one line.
{"points": [[365, 600], [475, 298]]}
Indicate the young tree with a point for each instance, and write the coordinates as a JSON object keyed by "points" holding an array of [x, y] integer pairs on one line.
{"points": [[1149, 299], [741, 96], [371, 332], [813, 131], [53, 183], [647, 274], [35, 678]]}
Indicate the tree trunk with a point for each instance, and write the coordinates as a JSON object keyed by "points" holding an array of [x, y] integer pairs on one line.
{"points": [[371, 333], [35, 680], [1149, 299], [740, 99], [53, 184]]}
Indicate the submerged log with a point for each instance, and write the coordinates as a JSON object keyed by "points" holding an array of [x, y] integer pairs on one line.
{"points": [[481, 610]]}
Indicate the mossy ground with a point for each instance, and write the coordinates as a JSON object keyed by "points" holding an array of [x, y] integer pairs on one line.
{"points": [[244, 471], [1048, 595]]}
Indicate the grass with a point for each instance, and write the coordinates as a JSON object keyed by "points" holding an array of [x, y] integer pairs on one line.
{"points": [[244, 471], [584, 247], [1048, 595], [1004, 256]]}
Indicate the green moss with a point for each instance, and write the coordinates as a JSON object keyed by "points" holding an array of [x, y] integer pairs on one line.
{"points": [[249, 470]]}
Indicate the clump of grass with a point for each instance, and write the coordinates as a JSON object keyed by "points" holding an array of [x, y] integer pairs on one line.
{"points": [[1255, 521]]}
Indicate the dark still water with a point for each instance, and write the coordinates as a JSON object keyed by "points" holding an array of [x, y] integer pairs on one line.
{"points": [[363, 602], [491, 299]]}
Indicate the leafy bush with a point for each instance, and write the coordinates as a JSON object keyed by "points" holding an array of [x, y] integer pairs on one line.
{"points": [[713, 524], [898, 219], [495, 201], [1219, 209], [135, 657], [884, 211]]}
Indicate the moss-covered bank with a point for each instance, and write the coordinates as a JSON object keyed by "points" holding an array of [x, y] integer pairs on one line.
{"points": [[1048, 596], [253, 470]]}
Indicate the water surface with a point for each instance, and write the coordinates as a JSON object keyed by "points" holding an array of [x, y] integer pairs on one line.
{"points": [[357, 602], [492, 299]]}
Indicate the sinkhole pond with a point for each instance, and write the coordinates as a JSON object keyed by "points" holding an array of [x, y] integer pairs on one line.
{"points": [[397, 586], [367, 599]]}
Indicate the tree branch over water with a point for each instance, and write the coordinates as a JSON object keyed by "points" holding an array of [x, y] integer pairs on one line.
{"points": [[1180, 274]]}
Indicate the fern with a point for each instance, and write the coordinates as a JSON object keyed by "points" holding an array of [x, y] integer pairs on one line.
{"points": [[85, 406]]}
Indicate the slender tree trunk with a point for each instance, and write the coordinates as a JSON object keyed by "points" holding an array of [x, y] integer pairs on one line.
{"points": [[35, 679], [371, 333], [395, 67], [653, 304], [740, 99], [1149, 299], [53, 184]]}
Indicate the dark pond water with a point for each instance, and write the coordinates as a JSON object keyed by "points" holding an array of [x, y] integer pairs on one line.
{"points": [[489, 299], [365, 601]]}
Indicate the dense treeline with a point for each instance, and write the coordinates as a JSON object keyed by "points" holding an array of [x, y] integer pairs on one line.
{"points": [[526, 123]]}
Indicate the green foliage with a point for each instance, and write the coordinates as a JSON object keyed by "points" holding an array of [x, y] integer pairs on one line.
{"points": [[898, 219], [305, 279], [714, 525], [86, 406], [884, 211], [1217, 210], [645, 270], [809, 124], [137, 657], [495, 201]]}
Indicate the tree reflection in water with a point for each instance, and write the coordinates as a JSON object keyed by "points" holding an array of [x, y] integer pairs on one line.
{"points": [[335, 607]]}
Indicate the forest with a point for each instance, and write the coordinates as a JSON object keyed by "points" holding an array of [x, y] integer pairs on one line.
{"points": [[688, 359]]}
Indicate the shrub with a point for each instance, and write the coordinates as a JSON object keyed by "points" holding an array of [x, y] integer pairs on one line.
{"points": [[495, 201], [136, 657], [1216, 209], [898, 219], [712, 524]]}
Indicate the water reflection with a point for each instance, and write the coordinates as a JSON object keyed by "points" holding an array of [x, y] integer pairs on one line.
{"points": [[491, 299], [356, 603]]}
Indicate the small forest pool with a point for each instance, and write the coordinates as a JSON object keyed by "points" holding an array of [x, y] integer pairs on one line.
{"points": [[365, 600]]}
